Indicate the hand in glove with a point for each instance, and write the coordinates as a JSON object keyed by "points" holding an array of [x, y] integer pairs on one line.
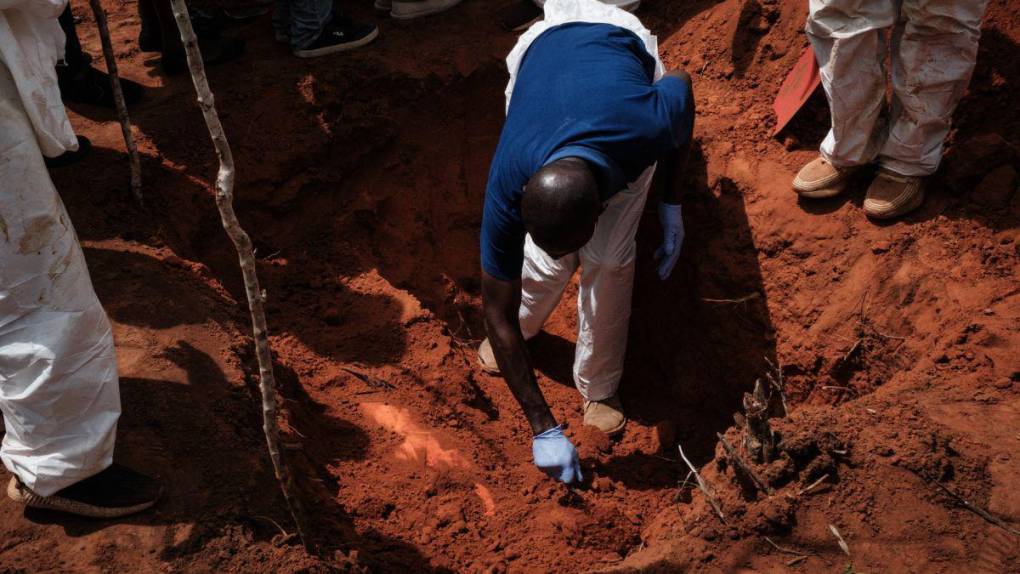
{"points": [[672, 238], [556, 456]]}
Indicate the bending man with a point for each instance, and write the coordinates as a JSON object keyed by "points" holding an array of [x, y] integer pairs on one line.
{"points": [[589, 115]]}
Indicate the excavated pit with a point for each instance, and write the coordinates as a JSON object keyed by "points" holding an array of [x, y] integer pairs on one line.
{"points": [[361, 181]]}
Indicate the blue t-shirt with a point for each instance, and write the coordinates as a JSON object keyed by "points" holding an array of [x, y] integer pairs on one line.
{"points": [[583, 90]]}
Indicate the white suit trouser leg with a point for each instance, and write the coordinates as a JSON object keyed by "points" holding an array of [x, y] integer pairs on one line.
{"points": [[58, 372], [933, 54], [604, 298]]}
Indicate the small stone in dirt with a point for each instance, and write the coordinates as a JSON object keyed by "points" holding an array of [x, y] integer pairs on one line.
{"points": [[602, 484], [880, 247]]}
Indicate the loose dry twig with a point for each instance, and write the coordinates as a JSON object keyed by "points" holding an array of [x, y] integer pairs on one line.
{"points": [[744, 299], [118, 99], [734, 458], [796, 560], [785, 550], [370, 380], [246, 257], [813, 485], [777, 383], [979, 511], [703, 486], [274, 523], [839, 539]]}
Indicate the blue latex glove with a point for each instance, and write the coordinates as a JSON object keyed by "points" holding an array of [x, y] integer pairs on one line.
{"points": [[672, 223], [556, 456]]}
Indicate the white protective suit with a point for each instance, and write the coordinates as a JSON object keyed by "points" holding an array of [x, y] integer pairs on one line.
{"points": [[934, 48], [607, 261], [58, 373]]}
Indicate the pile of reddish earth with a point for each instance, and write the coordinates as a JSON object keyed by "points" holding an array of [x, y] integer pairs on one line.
{"points": [[361, 179]]}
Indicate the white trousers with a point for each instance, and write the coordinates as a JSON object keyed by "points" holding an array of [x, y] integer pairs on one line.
{"points": [[604, 298], [933, 51], [58, 373]]}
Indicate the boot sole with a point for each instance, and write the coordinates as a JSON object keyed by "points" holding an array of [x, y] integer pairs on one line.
{"points": [[30, 499], [614, 432]]}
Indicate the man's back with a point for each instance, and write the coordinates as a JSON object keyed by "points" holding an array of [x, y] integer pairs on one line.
{"points": [[582, 90]]}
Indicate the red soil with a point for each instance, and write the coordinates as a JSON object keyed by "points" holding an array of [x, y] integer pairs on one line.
{"points": [[361, 179]]}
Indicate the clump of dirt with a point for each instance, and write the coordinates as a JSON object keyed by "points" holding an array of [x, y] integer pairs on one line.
{"points": [[361, 178]]}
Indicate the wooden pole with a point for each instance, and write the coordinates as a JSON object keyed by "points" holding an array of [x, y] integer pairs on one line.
{"points": [[242, 243], [118, 99]]}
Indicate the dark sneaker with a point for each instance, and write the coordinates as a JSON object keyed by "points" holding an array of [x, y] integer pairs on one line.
{"points": [[115, 492], [90, 86], [341, 35], [69, 157]]}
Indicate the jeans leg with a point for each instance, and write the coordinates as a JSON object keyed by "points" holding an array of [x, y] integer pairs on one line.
{"points": [[308, 18]]}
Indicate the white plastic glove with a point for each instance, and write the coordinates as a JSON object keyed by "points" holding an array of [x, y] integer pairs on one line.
{"points": [[672, 221]]}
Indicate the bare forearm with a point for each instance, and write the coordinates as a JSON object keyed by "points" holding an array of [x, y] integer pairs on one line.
{"points": [[515, 364]]}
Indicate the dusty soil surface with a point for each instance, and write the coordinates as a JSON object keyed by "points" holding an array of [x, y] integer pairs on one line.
{"points": [[361, 179]]}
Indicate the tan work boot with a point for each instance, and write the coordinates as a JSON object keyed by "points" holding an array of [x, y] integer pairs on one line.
{"points": [[605, 415], [892, 195], [487, 359], [819, 179]]}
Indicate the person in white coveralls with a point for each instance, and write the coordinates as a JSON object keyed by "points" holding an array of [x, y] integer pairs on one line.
{"points": [[933, 50], [59, 390]]}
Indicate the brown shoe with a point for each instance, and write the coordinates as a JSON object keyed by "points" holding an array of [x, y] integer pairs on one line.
{"points": [[892, 195], [819, 179], [486, 358], [115, 492], [605, 415]]}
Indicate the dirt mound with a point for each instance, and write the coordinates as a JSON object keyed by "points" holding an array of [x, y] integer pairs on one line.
{"points": [[361, 179]]}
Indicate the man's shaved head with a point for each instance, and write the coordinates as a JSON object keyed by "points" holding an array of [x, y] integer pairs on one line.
{"points": [[560, 206]]}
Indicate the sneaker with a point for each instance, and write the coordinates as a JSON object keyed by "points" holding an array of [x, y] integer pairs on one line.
{"points": [[341, 35], [819, 179], [605, 415], [487, 359], [115, 492], [409, 9], [69, 157], [892, 195]]}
